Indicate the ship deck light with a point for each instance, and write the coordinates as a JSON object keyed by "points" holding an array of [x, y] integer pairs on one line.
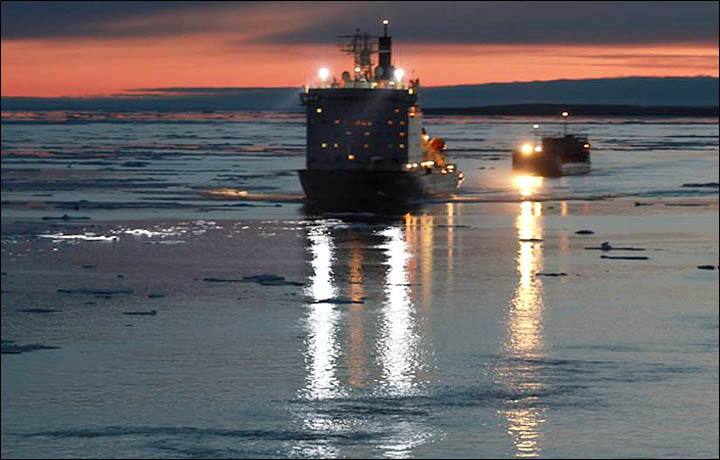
{"points": [[538, 148], [526, 149]]}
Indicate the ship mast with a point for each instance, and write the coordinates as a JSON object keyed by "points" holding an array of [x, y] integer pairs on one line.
{"points": [[362, 47]]}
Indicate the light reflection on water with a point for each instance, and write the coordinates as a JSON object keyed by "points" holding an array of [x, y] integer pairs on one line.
{"points": [[371, 350], [323, 350], [528, 185], [398, 342], [524, 338]]}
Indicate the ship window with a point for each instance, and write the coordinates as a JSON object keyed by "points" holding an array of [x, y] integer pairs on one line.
{"points": [[397, 109], [402, 122], [401, 134], [390, 122], [336, 145], [366, 146], [401, 146], [351, 157], [324, 144], [337, 122], [348, 132], [366, 133], [318, 110]]}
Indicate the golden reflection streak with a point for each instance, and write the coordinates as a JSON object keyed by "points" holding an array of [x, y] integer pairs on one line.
{"points": [[450, 210], [426, 256], [355, 355], [528, 185], [524, 334]]}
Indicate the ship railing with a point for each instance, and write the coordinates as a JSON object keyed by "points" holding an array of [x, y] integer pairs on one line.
{"points": [[559, 133], [361, 84]]}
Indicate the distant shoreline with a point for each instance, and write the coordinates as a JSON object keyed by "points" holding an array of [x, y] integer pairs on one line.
{"points": [[545, 110], [577, 110]]}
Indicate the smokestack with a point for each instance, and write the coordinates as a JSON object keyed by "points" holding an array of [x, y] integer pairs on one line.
{"points": [[385, 55]]}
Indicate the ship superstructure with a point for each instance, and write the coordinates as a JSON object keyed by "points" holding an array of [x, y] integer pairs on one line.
{"points": [[365, 140], [555, 155]]}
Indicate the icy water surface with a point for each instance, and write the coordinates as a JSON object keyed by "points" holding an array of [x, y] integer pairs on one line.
{"points": [[145, 164], [156, 320]]}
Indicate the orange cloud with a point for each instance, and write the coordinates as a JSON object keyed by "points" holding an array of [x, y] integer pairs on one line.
{"points": [[82, 67]]}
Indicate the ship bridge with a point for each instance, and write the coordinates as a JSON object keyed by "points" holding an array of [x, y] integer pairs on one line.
{"points": [[367, 120]]}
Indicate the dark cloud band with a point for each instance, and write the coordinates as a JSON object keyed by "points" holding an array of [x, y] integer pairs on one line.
{"points": [[418, 22]]}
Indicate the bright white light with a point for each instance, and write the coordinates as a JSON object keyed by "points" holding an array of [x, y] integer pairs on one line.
{"points": [[526, 149], [357, 69], [323, 73], [536, 126], [565, 114], [538, 148], [386, 22], [399, 74], [528, 185]]}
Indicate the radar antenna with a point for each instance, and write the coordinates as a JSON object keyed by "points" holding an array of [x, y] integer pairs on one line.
{"points": [[362, 46]]}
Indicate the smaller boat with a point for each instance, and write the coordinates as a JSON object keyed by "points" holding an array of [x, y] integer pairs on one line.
{"points": [[564, 155]]}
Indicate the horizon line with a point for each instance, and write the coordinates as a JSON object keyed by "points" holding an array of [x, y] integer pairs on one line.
{"points": [[133, 92]]}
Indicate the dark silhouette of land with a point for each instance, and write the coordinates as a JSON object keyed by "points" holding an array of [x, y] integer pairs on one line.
{"points": [[576, 110]]}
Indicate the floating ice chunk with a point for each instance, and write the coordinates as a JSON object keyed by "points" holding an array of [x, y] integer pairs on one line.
{"points": [[141, 313], [15, 349], [59, 237], [339, 300], [96, 291]]}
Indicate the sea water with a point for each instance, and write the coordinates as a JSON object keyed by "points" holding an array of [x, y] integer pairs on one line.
{"points": [[167, 316]]}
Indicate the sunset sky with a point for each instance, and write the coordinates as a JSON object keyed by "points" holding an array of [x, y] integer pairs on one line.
{"points": [[105, 48]]}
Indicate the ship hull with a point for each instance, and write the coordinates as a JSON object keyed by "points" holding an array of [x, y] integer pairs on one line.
{"points": [[548, 166], [371, 188]]}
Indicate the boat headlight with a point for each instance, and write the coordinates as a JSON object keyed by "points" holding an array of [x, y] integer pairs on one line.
{"points": [[526, 149]]}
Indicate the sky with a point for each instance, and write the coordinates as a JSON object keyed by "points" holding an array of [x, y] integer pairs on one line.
{"points": [[78, 49]]}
